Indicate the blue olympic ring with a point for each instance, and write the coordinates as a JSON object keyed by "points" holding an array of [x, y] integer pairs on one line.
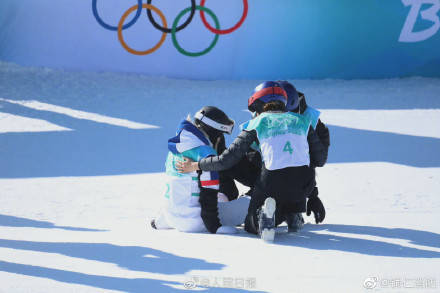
{"points": [[115, 28]]}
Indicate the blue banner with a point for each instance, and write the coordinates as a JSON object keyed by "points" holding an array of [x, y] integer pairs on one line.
{"points": [[227, 39]]}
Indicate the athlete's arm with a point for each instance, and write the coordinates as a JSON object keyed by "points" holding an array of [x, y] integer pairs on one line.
{"points": [[318, 152], [232, 155], [226, 160]]}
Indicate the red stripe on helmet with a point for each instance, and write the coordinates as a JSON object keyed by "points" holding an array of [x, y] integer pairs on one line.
{"points": [[267, 91]]}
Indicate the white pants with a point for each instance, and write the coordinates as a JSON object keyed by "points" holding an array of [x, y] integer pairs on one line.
{"points": [[231, 213]]}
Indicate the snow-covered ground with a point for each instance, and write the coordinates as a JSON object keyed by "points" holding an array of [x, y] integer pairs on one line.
{"points": [[81, 162]]}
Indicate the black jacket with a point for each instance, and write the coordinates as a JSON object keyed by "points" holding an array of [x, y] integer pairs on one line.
{"points": [[232, 155], [292, 184], [238, 148]]}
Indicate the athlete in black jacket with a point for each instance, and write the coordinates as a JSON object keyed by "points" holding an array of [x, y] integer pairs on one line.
{"points": [[288, 185]]}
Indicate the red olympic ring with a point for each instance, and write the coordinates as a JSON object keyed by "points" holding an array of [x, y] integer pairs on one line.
{"points": [[226, 31]]}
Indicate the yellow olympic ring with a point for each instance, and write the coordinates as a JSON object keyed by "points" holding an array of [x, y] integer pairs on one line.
{"points": [[121, 23]]}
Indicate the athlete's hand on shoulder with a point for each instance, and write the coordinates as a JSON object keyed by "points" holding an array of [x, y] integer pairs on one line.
{"points": [[187, 166]]}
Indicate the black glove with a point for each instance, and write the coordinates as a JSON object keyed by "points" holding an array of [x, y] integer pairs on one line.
{"points": [[314, 204], [323, 133]]}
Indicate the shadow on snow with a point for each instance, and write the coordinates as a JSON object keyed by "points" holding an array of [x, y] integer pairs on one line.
{"points": [[310, 238], [134, 258], [133, 285], [12, 221], [102, 149]]}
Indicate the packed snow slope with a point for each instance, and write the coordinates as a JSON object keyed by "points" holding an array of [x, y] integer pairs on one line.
{"points": [[81, 170]]}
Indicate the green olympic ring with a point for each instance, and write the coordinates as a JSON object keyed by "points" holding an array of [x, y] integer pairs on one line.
{"points": [[174, 29]]}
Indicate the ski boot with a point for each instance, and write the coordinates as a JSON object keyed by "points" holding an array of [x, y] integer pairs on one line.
{"points": [[295, 222], [266, 220]]}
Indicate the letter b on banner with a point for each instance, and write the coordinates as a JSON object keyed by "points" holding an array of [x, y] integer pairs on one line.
{"points": [[431, 14]]}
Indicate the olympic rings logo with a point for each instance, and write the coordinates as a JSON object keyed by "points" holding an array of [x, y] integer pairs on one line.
{"points": [[122, 25]]}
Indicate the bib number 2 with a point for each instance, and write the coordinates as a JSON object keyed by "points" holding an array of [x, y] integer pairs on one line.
{"points": [[288, 148]]}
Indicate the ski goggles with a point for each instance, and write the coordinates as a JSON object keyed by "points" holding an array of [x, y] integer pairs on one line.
{"points": [[219, 126]]}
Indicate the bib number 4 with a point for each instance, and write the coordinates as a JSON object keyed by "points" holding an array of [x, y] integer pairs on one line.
{"points": [[288, 148]]}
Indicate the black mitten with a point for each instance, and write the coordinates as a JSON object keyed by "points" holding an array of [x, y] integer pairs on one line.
{"points": [[315, 205], [323, 133]]}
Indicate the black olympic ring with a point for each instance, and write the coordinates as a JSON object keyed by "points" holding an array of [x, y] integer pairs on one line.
{"points": [[168, 30]]}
